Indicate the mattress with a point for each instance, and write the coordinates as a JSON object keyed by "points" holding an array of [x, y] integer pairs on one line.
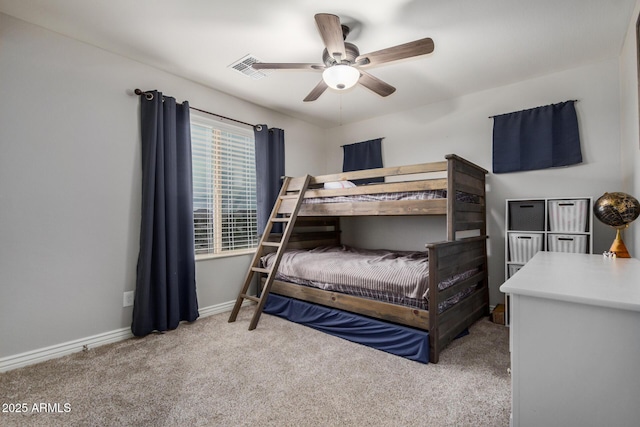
{"points": [[404, 195], [398, 277]]}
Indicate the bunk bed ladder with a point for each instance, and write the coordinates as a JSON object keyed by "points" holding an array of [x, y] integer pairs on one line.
{"points": [[285, 211]]}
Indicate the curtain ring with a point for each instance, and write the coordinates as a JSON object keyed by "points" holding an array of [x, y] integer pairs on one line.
{"points": [[258, 127], [147, 95]]}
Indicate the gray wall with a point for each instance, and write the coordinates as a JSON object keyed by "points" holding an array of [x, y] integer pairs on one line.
{"points": [[70, 181]]}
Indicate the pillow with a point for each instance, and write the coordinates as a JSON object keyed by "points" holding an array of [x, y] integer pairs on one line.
{"points": [[339, 184]]}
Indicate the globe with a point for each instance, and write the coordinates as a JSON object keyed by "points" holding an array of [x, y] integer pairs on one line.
{"points": [[617, 210]]}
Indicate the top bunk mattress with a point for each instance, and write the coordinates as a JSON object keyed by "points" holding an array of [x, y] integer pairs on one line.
{"points": [[398, 277], [381, 197]]}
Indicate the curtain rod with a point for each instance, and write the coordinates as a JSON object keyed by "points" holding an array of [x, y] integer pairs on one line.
{"points": [[149, 97], [569, 100]]}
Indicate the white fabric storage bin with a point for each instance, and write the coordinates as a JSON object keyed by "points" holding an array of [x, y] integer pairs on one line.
{"points": [[523, 246], [513, 269], [568, 215], [567, 243]]}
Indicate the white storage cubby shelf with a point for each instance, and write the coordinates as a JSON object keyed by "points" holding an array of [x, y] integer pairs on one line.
{"points": [[546, 224], [559, 224]]}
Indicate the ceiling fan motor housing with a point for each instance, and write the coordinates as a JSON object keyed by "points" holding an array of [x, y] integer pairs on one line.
{"points": [[352, 53]]}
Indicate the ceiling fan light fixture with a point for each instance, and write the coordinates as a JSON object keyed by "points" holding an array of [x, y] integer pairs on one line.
{"points": [[341, 76]]}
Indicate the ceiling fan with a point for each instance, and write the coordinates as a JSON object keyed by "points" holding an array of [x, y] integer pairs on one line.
{"points": [[343, 65]]}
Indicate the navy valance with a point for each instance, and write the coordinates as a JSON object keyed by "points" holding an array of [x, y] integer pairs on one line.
{"points": [[537, 138], [363, 155]]}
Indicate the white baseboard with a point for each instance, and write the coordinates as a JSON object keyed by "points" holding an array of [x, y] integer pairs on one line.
{"points": [[59, 350], [220, 308], [40, 355]]}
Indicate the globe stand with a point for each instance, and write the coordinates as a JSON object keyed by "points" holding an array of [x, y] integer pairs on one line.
{"points": [[618, 246]]}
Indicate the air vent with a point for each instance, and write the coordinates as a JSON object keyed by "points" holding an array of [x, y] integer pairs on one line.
{"points": [[243, 65]]}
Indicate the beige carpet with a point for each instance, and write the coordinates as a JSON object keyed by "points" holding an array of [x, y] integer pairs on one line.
{"points": [[214, 373]]}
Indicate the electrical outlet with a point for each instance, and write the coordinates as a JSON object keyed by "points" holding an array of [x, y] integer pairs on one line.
{"points": [[127, 299]]}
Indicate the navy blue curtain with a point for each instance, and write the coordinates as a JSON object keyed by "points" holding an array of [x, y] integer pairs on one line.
{"points": [[363, 155], [538, 138], [165, 291], [269, 170]]}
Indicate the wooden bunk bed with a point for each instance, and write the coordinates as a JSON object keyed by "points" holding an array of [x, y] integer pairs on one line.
{"points": [[460, 196], [454, 188]]}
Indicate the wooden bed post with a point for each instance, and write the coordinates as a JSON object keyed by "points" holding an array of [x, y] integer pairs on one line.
{"points": [[434, 338], [485, 282], [451, 197]]}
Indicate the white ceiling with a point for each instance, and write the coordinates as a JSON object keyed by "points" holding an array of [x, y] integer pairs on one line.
{"points": [[478, 44]]}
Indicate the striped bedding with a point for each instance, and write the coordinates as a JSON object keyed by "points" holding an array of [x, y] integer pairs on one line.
{"points": [[391, 276], [405, 195]]}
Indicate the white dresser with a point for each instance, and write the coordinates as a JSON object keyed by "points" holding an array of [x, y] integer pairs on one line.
{"points": [[575, 341]]}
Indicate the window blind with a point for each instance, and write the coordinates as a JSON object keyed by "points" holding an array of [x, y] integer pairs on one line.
{"points": [[224, 186]]}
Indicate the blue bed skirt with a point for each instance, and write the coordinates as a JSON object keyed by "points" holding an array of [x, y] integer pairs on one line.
{"points": [[400, 340]]}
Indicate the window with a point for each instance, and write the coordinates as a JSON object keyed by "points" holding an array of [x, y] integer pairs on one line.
{"points": [[224, 186]]}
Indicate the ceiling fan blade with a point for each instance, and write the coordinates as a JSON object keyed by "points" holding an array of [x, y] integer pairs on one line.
{"points": [[331, 33], [286, 66], [375, 84], [402, 51], [317, 91]]}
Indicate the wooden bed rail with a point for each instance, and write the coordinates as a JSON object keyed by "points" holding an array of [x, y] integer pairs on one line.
{"points": [[312, 232], [375, 173]]}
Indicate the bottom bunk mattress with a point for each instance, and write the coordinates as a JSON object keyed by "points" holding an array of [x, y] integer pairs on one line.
{"points": [[397, 277]]}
